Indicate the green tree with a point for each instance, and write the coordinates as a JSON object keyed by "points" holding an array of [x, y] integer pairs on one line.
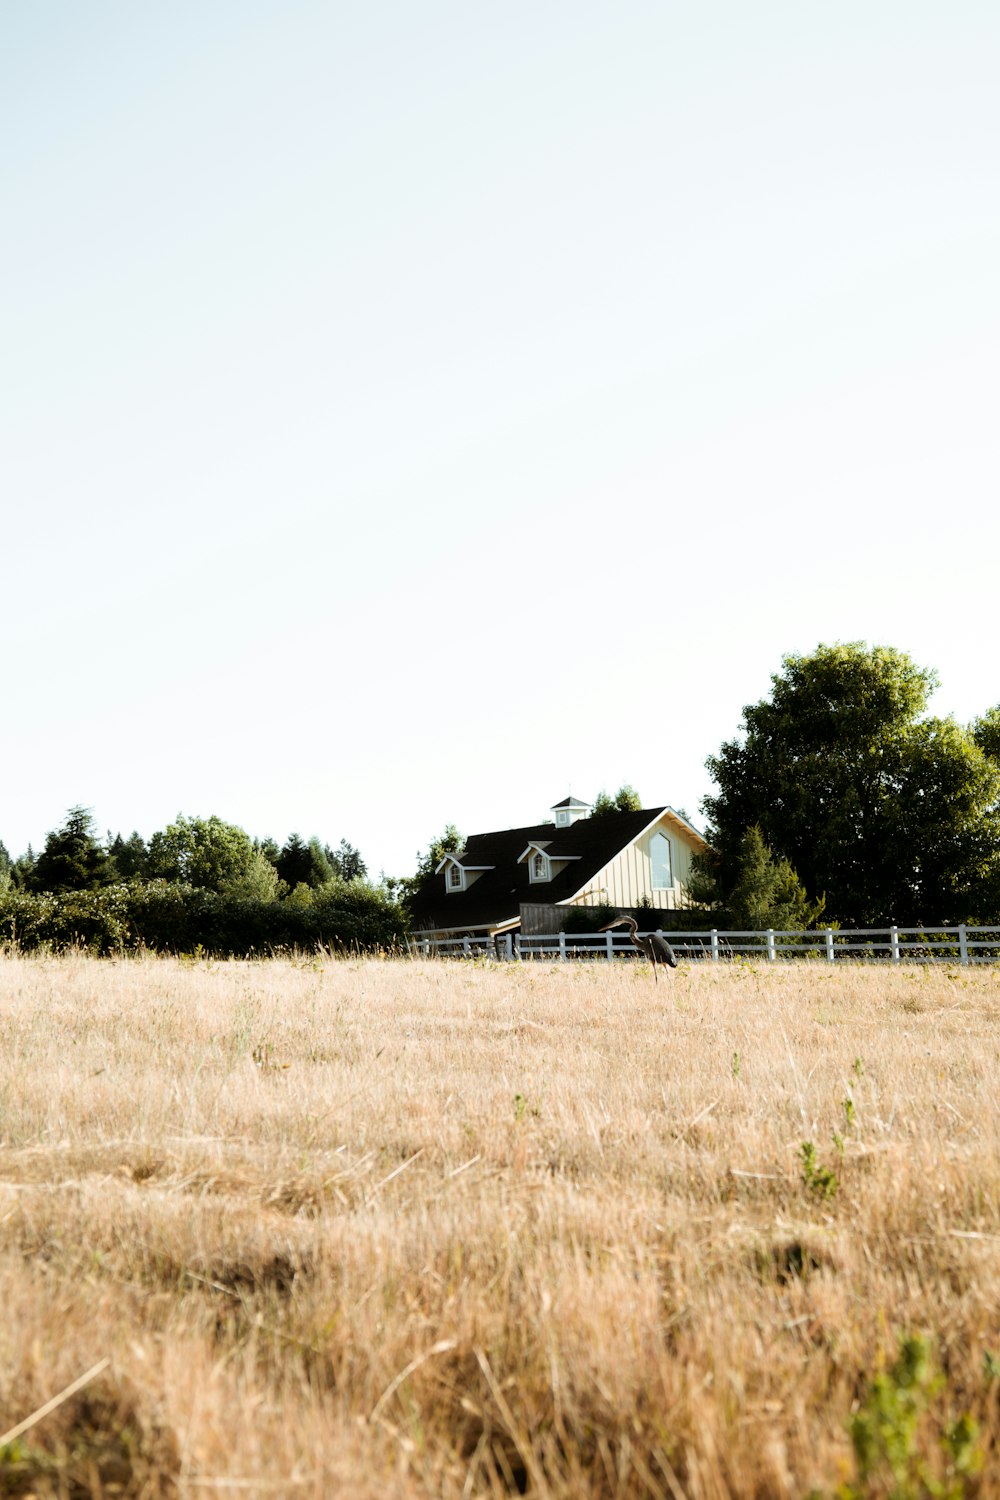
{"points": [[448, 842], [323, 868], [626, 799], [294, 863], [986, 733], [393, 887], [22, 870], [764, 892], [6, 865], [129, 856], [892, 815], [258, 881], [269, 849], [73, 859], [301, 863], [212, 855], [346, 861], [767, 892]]}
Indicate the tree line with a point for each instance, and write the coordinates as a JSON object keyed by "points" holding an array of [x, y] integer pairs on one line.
{"points": [[839, 800], [199, 884]]}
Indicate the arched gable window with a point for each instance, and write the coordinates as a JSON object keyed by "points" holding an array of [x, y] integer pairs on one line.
{"points": [[539, 870], [454, 877], [661, 861]]}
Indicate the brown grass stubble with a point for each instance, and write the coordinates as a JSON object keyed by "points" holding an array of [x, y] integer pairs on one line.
{"points": [[414, 1229]]}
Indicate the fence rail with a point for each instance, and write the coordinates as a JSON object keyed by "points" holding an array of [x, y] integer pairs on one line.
{"points": [[962, 945]]}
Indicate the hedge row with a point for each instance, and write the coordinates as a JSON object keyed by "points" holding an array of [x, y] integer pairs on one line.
{"points": [[165, 917]]}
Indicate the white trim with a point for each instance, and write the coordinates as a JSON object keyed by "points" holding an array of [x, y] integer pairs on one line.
{"points": [[554, 863], [488, 928], [682, 822], [468, 874], [663, 813]]}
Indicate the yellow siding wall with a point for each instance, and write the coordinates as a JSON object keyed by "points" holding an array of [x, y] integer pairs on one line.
{"points": [[629, 876]]}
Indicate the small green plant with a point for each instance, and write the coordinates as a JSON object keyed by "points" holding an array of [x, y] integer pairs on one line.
{"points": [[817, 1178], [858, 1067], [991, 1366], [850, 1113], [520, 1105], [736, 1065], [886, 1429], [838, 1143]]}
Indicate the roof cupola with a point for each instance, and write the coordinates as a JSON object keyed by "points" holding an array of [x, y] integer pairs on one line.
{"points": [[570, 810]]}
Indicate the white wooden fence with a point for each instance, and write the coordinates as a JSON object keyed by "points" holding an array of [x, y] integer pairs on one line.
{"points": [[962, 945]]}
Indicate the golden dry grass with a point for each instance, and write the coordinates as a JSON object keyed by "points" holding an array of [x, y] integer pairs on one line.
{"points": [[442, 1229]]}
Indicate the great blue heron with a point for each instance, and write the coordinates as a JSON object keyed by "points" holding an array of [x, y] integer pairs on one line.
{"points": [[654, 947]]}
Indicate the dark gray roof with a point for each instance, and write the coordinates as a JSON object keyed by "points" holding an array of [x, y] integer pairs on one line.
{"points": [[570, 802], [560, 850], [497, 895]]}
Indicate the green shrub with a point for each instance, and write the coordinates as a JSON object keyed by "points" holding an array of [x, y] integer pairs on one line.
{"points": [[168, 917], [886, 1436]]}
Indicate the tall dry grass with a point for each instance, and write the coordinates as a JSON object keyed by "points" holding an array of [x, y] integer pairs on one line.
{"points": [[402, 1229]]}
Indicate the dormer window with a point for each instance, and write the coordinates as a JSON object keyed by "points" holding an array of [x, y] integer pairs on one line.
{"points": [[545, 861], [459, 874]]}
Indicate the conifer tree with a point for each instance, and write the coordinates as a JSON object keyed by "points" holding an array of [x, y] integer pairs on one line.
{"points": [[72, 859]]}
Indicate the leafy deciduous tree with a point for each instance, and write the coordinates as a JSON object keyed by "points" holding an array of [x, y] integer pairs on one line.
{"points": [[986, 733], [213, 855], [891, 815], [448, 842]]}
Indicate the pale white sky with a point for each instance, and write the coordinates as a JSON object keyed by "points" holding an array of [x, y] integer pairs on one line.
{"points": [[417, 413]]}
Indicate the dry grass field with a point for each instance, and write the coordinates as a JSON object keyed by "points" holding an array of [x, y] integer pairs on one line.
{"points": [[405, 1229]]}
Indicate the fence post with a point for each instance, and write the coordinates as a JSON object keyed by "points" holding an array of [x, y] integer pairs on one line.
{"points": [[770, 945], [562, 945], [894, 942], [829, 943], [517, 945], [715, 943], [963, 944], [465, 946], [609, 942], [508, 945]]}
